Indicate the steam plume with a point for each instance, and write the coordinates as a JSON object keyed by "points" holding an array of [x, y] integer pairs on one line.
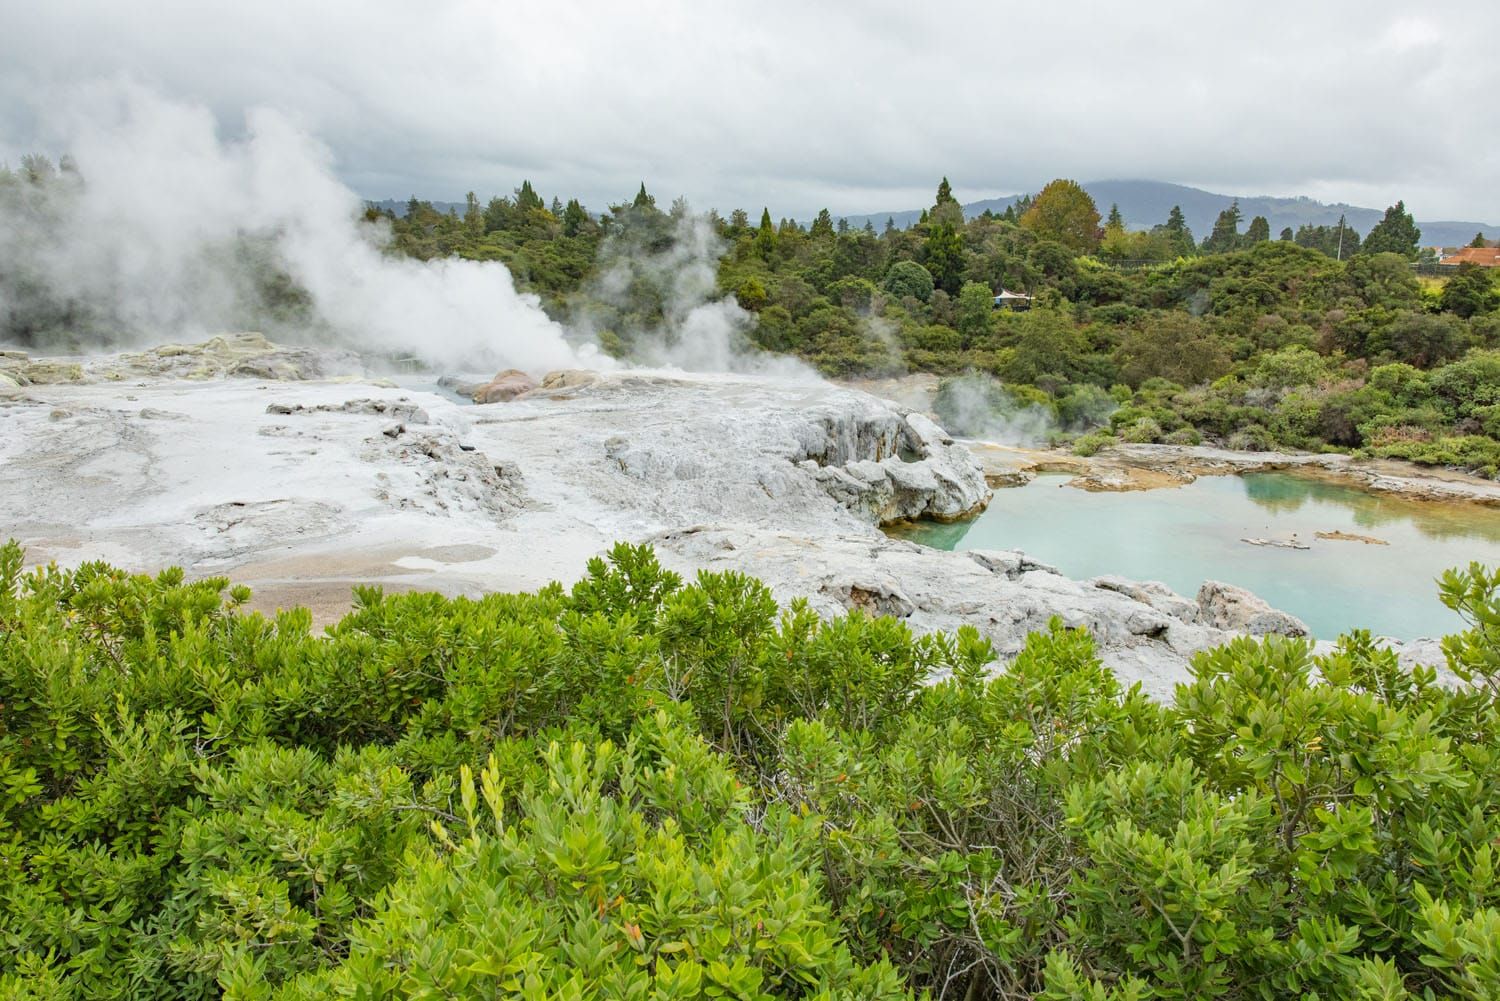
{"points": [[154, 236], [672, 262]]}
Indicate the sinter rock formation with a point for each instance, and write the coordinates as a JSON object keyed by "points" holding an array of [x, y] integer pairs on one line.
{"points": [[303, 488]]}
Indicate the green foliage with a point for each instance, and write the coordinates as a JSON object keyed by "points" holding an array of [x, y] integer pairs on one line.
{"points": [[1215, 326], [642, 787], [1470, 292], [1226, 234], [1395, 233], [1065, 213], [908, 278]]}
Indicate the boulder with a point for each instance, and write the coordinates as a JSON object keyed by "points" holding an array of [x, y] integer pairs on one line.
{"points": [[569, 378], [1224, 606], [505, 386], [889, 467], [1010, 563], [926, 432]]}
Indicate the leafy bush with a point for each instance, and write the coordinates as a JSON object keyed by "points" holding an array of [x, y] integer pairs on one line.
{"points": [[908, 278], [645, 787], [1092, 443]]}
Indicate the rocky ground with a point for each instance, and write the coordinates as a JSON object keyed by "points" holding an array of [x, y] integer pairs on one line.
{"points": [[301, 477], [1149, 467]]}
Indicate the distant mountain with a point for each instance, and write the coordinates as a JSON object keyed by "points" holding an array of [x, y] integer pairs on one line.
{"points": [[1143, 204]]}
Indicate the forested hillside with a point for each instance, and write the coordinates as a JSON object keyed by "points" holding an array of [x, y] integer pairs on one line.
{"points": [[1236, 338], [1315, 339], [647, 788]]}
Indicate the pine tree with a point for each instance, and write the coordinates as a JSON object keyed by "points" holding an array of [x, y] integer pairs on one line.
{"points": [[1396, 233], [527, 199], [1259, 231], [765, 238], [1226, 232], [823, 224], [573, 217], [1115, 220], [1179, 236]]}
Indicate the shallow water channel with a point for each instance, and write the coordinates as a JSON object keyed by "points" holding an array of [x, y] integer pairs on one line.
{"points": [[1186, 535]]}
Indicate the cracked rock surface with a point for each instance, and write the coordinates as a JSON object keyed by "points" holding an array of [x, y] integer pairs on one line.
{"points": [[304, 488]]}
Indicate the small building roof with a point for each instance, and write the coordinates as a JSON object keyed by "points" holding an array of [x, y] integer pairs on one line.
{"points": [[1485, 257], [1005, 296]]}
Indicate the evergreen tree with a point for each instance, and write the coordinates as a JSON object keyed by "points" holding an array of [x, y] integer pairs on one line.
{"points": [[1259, 231], [1470, 292], [574, 218], [643, 200], [1115, 221], [946, 209], [1478, 240], [1286, 235], [945, 257], [1396, 233], [765, 238], [823, 225], [497, 214], [1179, 236], [527, 199], [1226, 232]]}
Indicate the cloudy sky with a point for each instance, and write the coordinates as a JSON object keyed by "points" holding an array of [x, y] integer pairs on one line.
{"points": [[859, 107]]}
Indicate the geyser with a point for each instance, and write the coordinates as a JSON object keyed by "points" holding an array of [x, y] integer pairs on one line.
{"points": [[166, 230]]}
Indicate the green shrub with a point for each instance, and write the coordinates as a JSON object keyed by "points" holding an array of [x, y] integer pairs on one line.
{"points": [[1092, 443], [647, 787], [1142, 431], [1252, 438]]}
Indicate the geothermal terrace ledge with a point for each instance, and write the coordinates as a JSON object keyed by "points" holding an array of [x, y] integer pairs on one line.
{"points": [[303, 488]]}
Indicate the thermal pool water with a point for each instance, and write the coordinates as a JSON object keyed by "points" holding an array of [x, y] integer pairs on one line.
{"points": [[1190, 534]]}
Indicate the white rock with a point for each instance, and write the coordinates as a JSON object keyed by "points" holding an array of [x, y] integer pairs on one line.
{"points": [[782, 481], [1225, 606]]}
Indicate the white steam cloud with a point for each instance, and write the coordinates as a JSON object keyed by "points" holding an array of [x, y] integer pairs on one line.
{"points": [[148, 237], [979, 406], [697, 330]]}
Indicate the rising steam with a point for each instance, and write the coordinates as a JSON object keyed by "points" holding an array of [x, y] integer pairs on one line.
{"points": [[167, 231], [670, 263]]}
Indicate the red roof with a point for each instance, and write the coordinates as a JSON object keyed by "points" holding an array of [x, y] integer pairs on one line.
{"points": [[1486, 257]]}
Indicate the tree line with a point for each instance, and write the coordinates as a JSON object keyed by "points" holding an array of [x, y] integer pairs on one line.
{"points": [[1239, 340], [1320, 341]]}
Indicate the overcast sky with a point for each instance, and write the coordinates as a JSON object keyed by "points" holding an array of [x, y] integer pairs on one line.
{"points": [[859, 107]]}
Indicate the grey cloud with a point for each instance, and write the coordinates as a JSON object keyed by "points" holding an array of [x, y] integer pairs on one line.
{"points": [[859, 107]]}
